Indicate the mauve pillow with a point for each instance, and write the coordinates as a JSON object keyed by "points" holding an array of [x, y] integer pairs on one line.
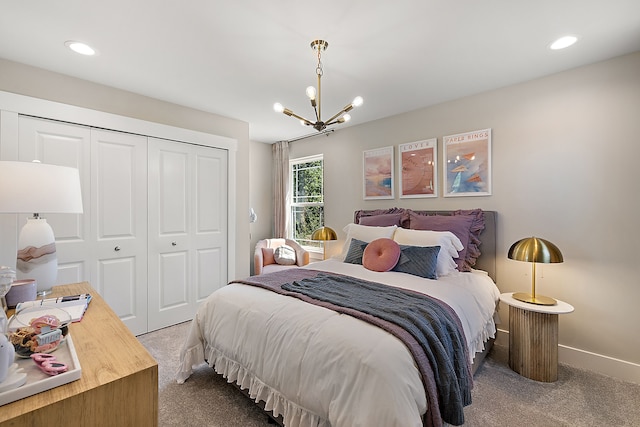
{"points": [[460, 225], [381, 255], [477, 227], [383, 220], [267, 256]]}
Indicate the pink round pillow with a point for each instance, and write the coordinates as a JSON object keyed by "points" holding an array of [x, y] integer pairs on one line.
{"points": [[381, 255]]}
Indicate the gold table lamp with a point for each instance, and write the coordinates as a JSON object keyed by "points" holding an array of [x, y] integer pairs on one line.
{"points": [[324, 234], [534, 250]]}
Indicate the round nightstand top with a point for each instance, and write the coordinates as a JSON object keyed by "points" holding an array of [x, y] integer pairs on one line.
{"points": [[560, 308]]}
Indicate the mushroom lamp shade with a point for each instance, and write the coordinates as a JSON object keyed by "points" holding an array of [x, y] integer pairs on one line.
{"points": [[324, 234], [534, 250], [36, 188]]}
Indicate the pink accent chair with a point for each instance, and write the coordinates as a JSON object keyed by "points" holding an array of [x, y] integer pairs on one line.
{"points": [[302, 256]]}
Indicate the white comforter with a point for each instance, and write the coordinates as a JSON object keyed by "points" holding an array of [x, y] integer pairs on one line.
{"points": [[318, 368]]}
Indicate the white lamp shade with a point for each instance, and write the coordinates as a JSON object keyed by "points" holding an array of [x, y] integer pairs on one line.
{"points": [[39, 188]]}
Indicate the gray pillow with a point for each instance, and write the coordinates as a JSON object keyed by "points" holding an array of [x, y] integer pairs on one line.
{"points": [[356, 250], [285, 255], [418, 261]]}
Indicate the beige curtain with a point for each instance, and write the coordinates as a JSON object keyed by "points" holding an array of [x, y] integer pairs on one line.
{"points": [[280, 188]]}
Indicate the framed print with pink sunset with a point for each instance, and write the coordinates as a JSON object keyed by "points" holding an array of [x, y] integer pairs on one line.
{"points": [[418, 172], [377, 167]]}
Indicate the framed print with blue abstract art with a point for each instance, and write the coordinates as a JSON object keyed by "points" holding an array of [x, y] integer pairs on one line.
{"points": [[467, 164]]}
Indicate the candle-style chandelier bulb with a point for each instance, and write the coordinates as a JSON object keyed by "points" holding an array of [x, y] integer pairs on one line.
{"points": [[311, 93]]}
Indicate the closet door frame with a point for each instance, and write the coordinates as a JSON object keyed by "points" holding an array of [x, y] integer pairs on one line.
{"points": [[13, 105]]}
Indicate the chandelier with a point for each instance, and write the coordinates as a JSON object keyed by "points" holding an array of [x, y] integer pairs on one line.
{"points": [[315, 98]]}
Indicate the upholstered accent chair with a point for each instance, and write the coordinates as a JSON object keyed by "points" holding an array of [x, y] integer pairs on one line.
{"points": [[263, 256]]}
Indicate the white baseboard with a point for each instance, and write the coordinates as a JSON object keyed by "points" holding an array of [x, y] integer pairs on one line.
{"points": [[582, 359]]}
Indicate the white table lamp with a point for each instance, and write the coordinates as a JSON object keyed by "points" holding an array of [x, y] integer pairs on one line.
{"points": [[38, 188]]}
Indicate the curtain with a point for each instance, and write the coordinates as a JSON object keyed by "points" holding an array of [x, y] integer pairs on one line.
{"points": [[280, 152]]}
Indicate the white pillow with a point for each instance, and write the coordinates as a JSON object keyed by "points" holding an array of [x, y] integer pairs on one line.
{"points": [[284, 255], [449, 244], [366, 233]]}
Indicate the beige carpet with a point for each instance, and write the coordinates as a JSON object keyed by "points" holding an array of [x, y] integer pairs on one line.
{"points": [[500, 396]]}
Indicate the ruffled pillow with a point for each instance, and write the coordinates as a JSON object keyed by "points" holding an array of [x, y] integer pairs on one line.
{"points": [[381, 255], [466, 225], [383, 220], [477, 227]]}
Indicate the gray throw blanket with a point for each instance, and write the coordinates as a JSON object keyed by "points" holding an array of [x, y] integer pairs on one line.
{"points": [[428, 327]]}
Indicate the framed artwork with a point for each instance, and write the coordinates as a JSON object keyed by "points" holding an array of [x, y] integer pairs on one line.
{"points": [[467, 160], [377, 167], [418, 172]]}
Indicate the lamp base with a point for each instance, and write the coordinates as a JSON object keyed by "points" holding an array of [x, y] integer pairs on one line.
{"points": [[537, 299], [37, 258]]}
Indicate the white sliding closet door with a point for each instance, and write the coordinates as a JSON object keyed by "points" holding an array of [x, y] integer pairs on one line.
{"points": [[187, 228], [119, 223], [153, 239], [68, 145]]}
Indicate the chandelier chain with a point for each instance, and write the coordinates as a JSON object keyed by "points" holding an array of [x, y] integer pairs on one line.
{"points": [[319, 67]]}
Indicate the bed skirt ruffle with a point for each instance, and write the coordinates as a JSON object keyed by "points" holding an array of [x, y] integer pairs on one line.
{"points": [[233, 372], [477, 345]]}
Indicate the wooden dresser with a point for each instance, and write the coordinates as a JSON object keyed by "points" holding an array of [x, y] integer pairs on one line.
{"points": [[119, 383]]}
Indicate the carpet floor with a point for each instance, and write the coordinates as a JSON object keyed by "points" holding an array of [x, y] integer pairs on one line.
{"points": [[500, 396]]}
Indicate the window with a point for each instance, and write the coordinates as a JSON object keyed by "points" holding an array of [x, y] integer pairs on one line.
{"points": [[307, 199]]}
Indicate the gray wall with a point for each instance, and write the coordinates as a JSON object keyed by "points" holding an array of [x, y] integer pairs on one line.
{"points": [[38, 83], [565, 155], [261, 197]]}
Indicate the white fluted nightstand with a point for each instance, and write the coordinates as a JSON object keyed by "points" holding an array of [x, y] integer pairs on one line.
{"points": [[533, 337]]}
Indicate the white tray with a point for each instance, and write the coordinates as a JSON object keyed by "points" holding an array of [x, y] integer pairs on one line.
{"points": [[38, 381]]}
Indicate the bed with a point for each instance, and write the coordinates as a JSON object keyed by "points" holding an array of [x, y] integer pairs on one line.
{"points": [[314, 362]]}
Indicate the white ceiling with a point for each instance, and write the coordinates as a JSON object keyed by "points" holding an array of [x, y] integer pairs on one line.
{"points": [[236, 58]]}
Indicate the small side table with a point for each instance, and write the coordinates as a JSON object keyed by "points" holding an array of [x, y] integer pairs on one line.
{"points": [[533, 338]]}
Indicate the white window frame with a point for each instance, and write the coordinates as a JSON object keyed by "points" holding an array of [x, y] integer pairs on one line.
{"points": [[291, 204]]}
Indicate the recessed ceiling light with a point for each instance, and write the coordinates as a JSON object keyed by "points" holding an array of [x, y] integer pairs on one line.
{"points": [[80, 48], [563, 42]]}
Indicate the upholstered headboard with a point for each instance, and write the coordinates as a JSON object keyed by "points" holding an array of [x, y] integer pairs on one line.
{"points": [[487, 259]]}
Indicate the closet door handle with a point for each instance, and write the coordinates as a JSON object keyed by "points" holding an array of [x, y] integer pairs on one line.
{"points": [[117, 248], [174, 243]]}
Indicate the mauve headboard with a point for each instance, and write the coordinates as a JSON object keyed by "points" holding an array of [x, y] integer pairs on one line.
{"points": [[487, 259]]}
